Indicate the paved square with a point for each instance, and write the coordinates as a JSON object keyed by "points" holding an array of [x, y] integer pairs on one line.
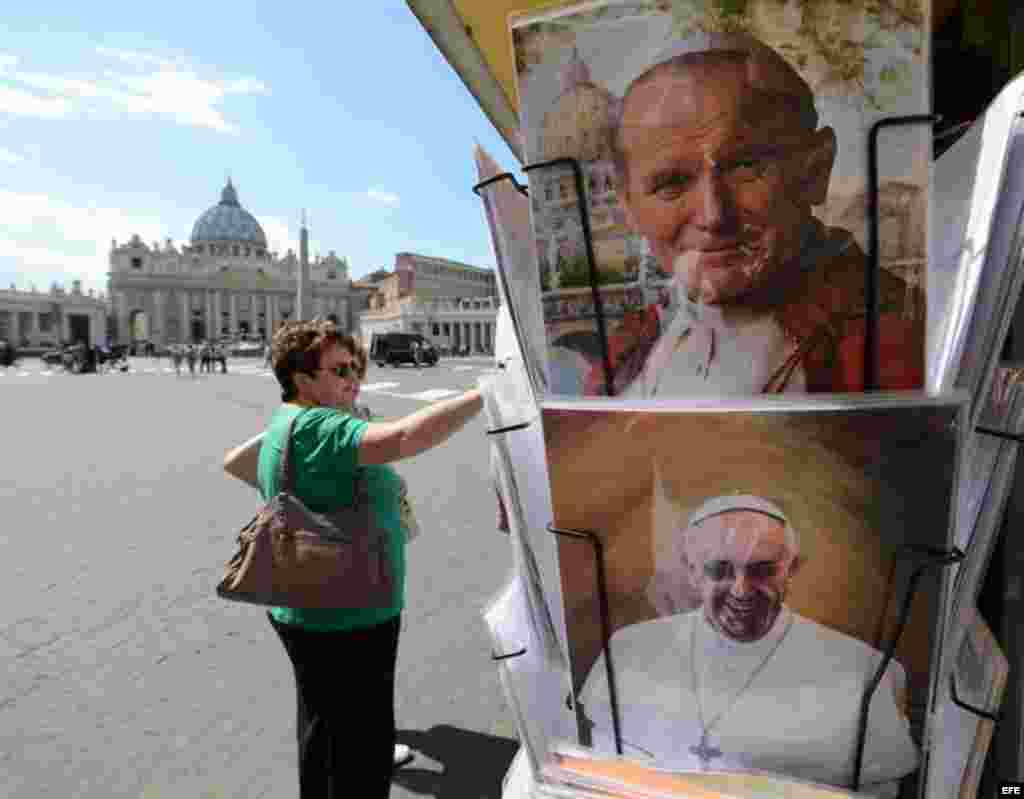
{"points": [[127, 677]]}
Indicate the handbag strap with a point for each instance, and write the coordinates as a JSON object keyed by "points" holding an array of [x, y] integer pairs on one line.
{"points": [[286, 476]]}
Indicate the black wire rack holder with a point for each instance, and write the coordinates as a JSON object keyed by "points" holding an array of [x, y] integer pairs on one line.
{"points": [[602, 596], [873, 265]]}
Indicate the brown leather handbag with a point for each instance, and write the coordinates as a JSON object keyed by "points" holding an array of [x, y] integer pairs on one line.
{"points": [[289, 556]]}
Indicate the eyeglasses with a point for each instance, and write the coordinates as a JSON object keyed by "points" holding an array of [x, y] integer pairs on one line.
{"points": [[344, 370]]}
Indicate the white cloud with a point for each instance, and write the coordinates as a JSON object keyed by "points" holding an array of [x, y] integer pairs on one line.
{"points": [[135, 57], [283, 235], [146, 85], [390, 199], [10, 157], [47, 239], [26, 104]]}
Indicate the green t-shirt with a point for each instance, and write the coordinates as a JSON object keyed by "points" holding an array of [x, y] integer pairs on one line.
{"points": [[325, 454]]}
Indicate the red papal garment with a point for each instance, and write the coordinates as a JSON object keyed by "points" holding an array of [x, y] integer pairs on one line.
{"points": [[805, 333]]}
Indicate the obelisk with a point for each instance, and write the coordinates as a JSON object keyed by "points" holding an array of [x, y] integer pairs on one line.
{"points": [[302, 291]]}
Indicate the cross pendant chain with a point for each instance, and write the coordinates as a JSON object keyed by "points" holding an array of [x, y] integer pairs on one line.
{"points": [[704, 751]]}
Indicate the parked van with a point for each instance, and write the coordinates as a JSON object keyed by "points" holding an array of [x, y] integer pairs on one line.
{"points": [[396, 348]]}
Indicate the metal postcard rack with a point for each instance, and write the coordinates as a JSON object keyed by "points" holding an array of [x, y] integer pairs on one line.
{"points": [[924, 559]]}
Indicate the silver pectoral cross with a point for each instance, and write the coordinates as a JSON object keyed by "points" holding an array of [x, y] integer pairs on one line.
{"points": [[705, 751]]}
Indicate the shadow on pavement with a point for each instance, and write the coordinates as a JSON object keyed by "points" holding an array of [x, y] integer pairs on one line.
{"points": [[472, 764]]}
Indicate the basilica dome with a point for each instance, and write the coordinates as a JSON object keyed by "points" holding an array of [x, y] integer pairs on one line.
{"points": [[228, 222], [580, 122]]}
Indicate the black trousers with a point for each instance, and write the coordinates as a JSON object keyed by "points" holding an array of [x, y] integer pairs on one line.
{"points": [[345, 684]]}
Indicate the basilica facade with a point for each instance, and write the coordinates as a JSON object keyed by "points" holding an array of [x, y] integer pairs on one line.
{"points": [[224, 284]]}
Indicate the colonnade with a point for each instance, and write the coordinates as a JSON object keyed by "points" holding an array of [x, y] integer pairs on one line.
{"points": [[478, 336], [181, 315]]}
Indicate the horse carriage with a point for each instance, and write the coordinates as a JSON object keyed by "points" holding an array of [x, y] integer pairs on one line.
{"points": [[81, 359]]}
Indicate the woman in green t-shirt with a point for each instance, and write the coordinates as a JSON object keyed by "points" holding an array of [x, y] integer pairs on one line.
{"points": [[344, 660]]}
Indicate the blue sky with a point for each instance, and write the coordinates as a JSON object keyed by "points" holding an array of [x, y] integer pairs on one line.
{"points": [[116, 121]]}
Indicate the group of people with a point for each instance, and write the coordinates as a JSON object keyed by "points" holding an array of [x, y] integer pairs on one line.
{"points": [[344, 659], [207, 354]]}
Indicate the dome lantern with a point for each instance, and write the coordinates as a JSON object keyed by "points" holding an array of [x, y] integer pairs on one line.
{"points": [[229, 196]]}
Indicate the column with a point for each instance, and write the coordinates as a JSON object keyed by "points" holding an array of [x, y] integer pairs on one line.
{"points": [[159, 331], [218, 315], [271, 315], [234, 313], [487, 337], [15, 337], [186, 318]]}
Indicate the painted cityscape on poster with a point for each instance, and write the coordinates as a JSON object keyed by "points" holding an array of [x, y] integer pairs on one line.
{"points": [[755, 566], [723, 156]]}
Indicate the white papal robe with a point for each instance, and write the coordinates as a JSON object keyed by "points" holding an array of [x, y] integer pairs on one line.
{"points": [[710, 350], [798, 717]]}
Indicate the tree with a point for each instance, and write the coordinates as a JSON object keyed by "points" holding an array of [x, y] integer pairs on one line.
{"points": [[574, 272]]}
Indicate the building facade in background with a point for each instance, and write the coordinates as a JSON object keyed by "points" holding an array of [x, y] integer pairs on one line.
{"points": [[451, 304], [225, 284], [35, 319]]}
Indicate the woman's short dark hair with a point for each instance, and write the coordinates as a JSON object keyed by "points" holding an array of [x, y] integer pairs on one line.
{"points": [[297, 347]]}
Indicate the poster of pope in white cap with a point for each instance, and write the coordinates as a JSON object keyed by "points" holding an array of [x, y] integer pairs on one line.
{"points": [[757, 571], [723, 149]]}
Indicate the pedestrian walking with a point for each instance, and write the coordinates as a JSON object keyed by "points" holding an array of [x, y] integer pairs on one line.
{"points": [[176, 356], [190, 356], [344, 660]]}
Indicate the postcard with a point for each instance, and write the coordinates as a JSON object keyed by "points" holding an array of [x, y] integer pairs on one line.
{"points": [[698, 175], [745, 571]]}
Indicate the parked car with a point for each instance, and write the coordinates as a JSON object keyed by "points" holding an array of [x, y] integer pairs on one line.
{"points": [[80, 359], [396, 348], [53, 357], [252, 349], [76, 358], [8, 355]]}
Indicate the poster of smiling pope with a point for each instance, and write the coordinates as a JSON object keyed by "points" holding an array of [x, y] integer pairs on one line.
{"points": [[756, 560], [723, 148]]}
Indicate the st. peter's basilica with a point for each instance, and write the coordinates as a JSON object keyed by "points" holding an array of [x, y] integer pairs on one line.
{"points": [[224, 284]]}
